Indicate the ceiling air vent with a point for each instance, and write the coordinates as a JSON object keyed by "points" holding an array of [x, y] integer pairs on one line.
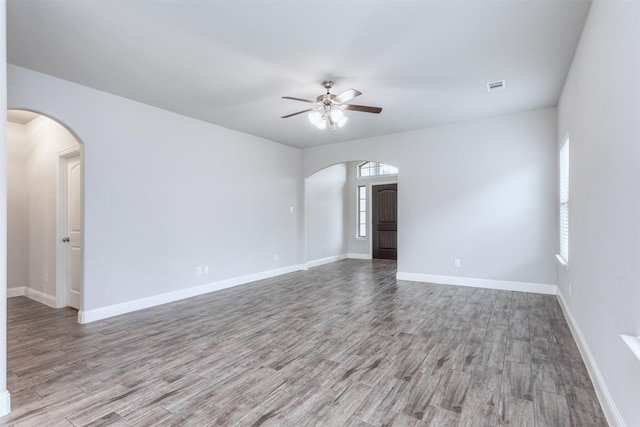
{"points": [[497, 85]]}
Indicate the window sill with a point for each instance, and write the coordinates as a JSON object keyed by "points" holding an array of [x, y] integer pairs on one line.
{"points": [[633, 343], [562, 262]]}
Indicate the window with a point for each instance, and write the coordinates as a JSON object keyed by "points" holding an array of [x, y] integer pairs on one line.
{"points": [[362, 211], [564, 201], [375, 169]]}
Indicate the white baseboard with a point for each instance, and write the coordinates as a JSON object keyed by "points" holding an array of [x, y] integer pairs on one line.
{"points": [[16, 291], [33, 294], [614, 418], [538, 288], [327, 260], [5, 403], [87, 316], [358, 256], [41, 297]]}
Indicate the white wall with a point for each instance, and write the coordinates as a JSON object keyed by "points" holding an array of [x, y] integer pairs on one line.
{"points": [[325, 212], [483, 192], [17, 207], [600, 109], [165, 193], [5, 399]]}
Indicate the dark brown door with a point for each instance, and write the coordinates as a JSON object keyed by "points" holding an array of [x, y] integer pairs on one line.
{"points": [[384, 205]]}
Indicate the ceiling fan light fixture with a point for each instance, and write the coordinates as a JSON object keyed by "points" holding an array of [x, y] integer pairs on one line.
{"points": [[315, 117], [320, 120], [336, 114], [329, 107]]}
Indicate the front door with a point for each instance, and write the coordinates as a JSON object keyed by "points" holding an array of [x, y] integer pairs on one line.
{"points": [[74, 232], [384, 221]]}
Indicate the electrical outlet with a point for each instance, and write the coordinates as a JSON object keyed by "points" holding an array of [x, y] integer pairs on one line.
{"points": [[275, 257], [456, 262], [205, 270], [199, 270]]}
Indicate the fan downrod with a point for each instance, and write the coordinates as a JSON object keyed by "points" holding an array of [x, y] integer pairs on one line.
{"points": [[326, 99]]}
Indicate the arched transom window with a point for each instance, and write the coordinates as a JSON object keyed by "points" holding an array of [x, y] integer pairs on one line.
{"points": [[375, 169]]}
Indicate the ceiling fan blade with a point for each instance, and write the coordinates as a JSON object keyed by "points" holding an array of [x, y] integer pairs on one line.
{"points": [[299, 112], [345, 96], [298, 99], [363, 108]]}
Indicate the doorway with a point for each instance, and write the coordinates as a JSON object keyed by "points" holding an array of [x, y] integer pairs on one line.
{"points": [[339, 212], [45, 210], [384, 221]]}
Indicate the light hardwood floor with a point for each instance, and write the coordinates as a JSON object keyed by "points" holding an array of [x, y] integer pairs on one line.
{"points": [[343, 344]]}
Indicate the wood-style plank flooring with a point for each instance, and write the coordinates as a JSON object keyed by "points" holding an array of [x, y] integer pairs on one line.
{"points": [[343, 344]]}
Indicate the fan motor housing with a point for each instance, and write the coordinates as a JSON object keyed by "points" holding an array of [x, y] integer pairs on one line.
{"points": [[325, 98]]}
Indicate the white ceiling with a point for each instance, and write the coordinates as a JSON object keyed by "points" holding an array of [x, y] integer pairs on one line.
{"points": [[229, 62]]}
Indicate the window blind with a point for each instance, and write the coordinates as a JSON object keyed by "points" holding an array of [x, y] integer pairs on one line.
{"points": [[564, 200]]}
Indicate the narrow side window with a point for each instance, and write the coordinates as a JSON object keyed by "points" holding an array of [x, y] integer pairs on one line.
{"points": [[362, 211]]}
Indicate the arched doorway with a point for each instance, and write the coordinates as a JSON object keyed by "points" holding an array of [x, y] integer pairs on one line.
{"points": [[44, 210], [339, 219]]}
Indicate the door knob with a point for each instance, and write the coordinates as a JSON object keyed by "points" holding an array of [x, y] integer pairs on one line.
{"points": [[65, 239]]}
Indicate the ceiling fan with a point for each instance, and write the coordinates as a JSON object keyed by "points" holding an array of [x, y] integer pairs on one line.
{"points": [[329, 107]]}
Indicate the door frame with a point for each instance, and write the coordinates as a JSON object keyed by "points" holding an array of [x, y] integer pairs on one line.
{"points": [[61, 226]]}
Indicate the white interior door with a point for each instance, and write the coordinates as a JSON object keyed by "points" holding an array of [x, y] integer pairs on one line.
{"points": [[74, 254]]}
